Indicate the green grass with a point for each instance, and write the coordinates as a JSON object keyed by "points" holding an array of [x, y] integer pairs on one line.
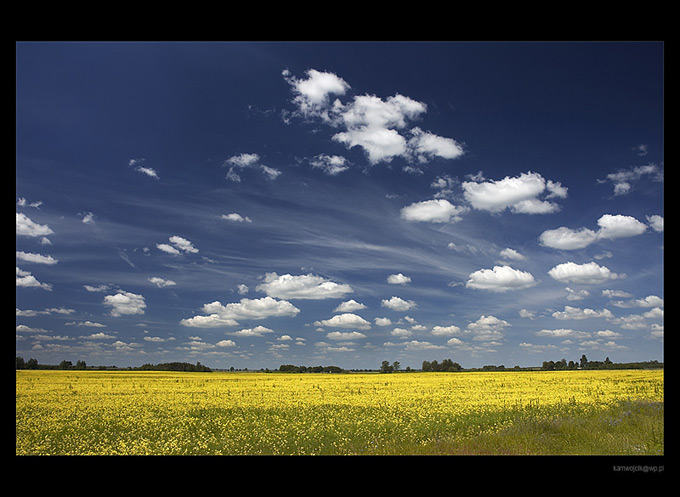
{"points": [[630, 428]]}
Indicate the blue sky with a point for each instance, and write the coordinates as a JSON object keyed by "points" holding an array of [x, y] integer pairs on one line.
{"points": [[259, 204]]}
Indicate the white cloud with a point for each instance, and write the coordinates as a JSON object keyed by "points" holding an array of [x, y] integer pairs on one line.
{"points": [[347, 320], [445, 330], [312, 95], [368, 121], [401, 333], [426, 146], [567, 239], [398, 304], [307, 286], [563, 333], [26, 279], [88, 218], [649, 301], [618, 226], [500, 279], [584, 274], [578, 313], [519, 194], [26, 227], [383, 321], [615, 293], [169, 249], [36, 258], [512, 254], [611, 227], [349, 306], [398, 279], [656, 222], [330, 164], [243, 161], [148, 171], [624, 179], [183, 244], [576, 294], [257, 331], [487, 328], [178, 246], [433, 211], [236, 218], [341, 335], [226, 343], [161, 283], [219, 315], [125, 303]]}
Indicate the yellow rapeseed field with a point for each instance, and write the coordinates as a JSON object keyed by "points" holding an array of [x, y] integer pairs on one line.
{"points": [[142, 412]]}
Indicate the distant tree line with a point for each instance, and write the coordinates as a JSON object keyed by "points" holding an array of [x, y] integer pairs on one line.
{"points": [[175, 366], [584, 363], [445, 366], [291, 368], [81, 365]]}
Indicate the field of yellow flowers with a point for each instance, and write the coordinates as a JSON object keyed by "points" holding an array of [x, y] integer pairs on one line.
{"points": [[142, 412]]}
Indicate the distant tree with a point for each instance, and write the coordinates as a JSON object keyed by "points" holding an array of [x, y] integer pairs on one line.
{"points": [[385, 367], [426, 366], [584, 361], [32, 363], [20, 363], [81, 365], [396, 365], [65, 365]]}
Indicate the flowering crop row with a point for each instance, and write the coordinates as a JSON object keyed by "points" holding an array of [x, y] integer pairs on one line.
{"points": [[135, 412]]}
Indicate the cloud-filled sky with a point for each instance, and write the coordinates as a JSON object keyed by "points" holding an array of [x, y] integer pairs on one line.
{"points": [[259, 204]]}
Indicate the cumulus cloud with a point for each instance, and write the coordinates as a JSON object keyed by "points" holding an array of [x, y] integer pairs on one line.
{"points": [[649, 301], [148, 171], [567, 239], [398, 304], [512, 254], [161, 283], [611, 227], [35, 258], [624, 179], [236, 218], [656, 222], [445, 330], [349, 306], [26, 279], [178, 246], [578, 313], [257, 331], [347, 320], [345, 335], [487, 328], [125, 303], [332, 165], [586, 274], [398, 279], [251, 161], [307, 286], [563, 333], [219, 315], [426, 146], [433, 211], [519, 194], [500, 279], [378, 126], [312, 95], [26, 227]]}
